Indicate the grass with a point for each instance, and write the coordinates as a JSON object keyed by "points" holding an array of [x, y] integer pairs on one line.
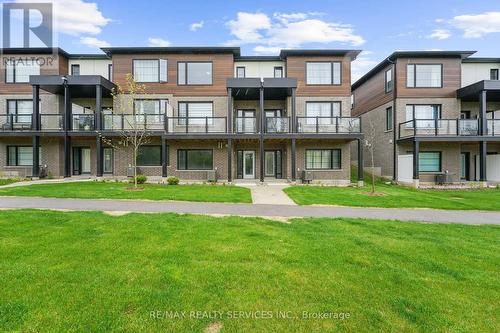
{"points": [[6, 181], [396, 196], [90, 272], [118, 190]]}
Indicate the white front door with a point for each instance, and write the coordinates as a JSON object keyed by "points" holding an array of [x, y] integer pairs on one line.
{"points": [[249, 164]]}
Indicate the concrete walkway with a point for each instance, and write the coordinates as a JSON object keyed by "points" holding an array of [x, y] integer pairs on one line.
{"points": [[420, 215], [269, 194], [47, 181]]}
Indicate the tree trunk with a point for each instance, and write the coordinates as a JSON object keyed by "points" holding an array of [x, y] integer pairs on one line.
{"points": [[373, 171], [135, 167]]}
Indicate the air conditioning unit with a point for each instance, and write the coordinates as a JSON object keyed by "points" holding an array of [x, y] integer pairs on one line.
{"points": [[307, 176], [212, 176]]}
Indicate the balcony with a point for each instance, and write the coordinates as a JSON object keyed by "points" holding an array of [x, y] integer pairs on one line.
{"points": [[493, 127], [82, 122], [328, 125], [245, 125], [439, 127], [196, 125], [277, 124], [12, 122], [51, 122], [131, 122]]}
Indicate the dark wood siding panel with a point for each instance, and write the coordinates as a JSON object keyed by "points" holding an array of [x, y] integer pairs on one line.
{"points": [[222, 69], [451, 77], [59, 64], [296, 68], [371, 94]]}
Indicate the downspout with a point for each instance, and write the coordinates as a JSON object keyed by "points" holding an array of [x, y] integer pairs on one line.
{"points": [[394, 120]]}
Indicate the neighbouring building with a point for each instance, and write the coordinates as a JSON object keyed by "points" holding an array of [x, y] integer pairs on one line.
{"points": [[209, 112], [436, 116]]}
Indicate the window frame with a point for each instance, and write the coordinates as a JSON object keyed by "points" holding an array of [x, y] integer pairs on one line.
{"points": [[186, 73], [152, 165], [331, 108], [8, 147], [410, 124], [440, 154], [183, 120], [14, 66], [179, 151], [75, 65], [110, 72], [244, 72], [494, 70], [16, 114], [149, 100], [388, 88], [282, 72], [148, 59], [389, 124], [331, 73], [330, 168], [414, 65]]}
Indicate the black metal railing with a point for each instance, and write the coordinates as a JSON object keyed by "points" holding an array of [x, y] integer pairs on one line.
{"points": [[277, 124], [51, 122], [245, 125], [493, 127], [83, 122], [328, 125], [439, 127], [16, 122]]}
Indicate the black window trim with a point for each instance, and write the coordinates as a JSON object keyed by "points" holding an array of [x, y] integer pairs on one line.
{"points": [[14, 75], [244, 72], [331, 159], [148, 59], [110, 72], [494, 70], [193, 149], [389, 124], [331, 107], [149, 99], [332, 71], [161, 156], [440, 111], [415, 75], [440, 161], [282, 72], [386, 83], [8, 147], [186, 73], [181, 119], [75, 65]]}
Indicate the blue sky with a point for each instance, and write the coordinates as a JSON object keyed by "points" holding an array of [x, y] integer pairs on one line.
{"points": [[262, 27]]}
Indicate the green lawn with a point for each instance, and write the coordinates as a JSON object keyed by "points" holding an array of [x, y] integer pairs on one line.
{"points": [[396, 197], [118, 190], [6, 181], [90, 272]]}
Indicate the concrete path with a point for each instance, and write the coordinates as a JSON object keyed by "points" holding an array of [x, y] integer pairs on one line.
{"points": [[47, 181], [269, 194], [420, 215]]}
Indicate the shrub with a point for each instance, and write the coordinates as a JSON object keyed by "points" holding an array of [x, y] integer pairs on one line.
{"points": [[172, 180], [141, 179]]}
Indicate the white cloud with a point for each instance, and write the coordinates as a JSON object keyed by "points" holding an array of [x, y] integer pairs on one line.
{"points": [[158, 42], [197, 25], [476, 26], [361, 65], [266, 49], [94, 42], [76, 17], [288, 30], [440, 34]]}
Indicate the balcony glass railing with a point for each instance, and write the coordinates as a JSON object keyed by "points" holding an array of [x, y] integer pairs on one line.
{"points": [[328, 125], [131, 122], [195, 125], [245, 125], [277, 124], [493, 127], [439, 127], [83, 122], [12, 122], [51, 122]]}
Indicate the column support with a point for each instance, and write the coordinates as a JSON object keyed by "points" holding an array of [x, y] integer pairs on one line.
{"points": [[67, 128], [483, 149], [416, 172], [36, 160], [262, 129], [164, 157], [67, 156], [229, 160], [294, 115], [98, 107], [229, 110], [99, 155], [360, 163], [294, 160], [482, 113], [35, 125]]}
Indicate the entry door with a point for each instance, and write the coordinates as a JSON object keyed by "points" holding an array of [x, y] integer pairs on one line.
{"points": [[245, 121], [107, 160], [272, 163], [85, 160], [464, 166], [273, 121], [81, 160], [248, 164]]}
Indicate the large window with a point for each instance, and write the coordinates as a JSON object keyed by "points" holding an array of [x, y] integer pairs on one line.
{"points": [[388, 80], [21, 155], [278, 72], [429, 161], [75, 69], [424, 76], [22, 110], [323, 159], [195, 159], [195, 113], [196, 73], [388, 119], [150, 70], [20, 71], [149, 156], [494, 74], [325, 111], [424, 115], [323, 73], [147, 106]]}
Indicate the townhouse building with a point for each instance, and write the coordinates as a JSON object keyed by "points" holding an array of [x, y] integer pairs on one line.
{"points": [[434, 115], [209, 113]]}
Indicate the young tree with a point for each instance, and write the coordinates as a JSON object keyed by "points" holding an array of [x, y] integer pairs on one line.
{"points": [[370, 142], [132, 127]]}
